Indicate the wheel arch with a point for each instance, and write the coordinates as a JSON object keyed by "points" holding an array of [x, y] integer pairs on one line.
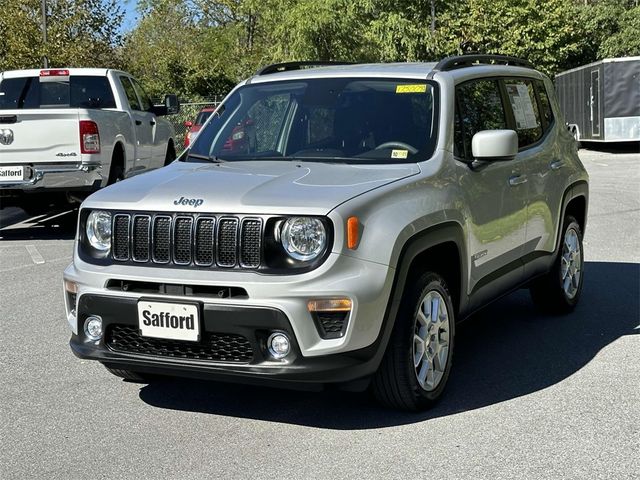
{"points": [[576, 204], [118, 157], [434, 247]]}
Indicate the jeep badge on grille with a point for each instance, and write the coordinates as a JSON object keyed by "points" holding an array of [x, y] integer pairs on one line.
{"points": [[195, 202]]}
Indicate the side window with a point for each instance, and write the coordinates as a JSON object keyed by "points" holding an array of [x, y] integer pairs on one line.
{"points": [[478, 107], [131, 93], [545, 104], [142, 95], [91, 92], [525, 111]]}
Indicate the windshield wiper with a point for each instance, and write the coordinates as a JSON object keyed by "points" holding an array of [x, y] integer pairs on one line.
{"points": [[208, 158]]}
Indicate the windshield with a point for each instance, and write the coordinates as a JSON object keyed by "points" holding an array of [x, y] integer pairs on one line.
{"points": [[323, 119]]}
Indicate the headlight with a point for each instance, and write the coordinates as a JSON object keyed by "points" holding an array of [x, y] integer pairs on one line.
{"points": [[303, 238], [99, 231]]}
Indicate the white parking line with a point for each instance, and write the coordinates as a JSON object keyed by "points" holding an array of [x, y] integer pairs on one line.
{"points": [[35, 254]]}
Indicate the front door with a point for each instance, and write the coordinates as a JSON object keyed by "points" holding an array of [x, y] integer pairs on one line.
{"points": [[496, 195]]}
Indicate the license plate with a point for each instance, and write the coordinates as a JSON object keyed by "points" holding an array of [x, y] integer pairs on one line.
{"points": [[11, 174], [175, 321]]}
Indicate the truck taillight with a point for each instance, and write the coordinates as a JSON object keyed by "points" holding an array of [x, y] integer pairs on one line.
{"points": [[89, 137]]}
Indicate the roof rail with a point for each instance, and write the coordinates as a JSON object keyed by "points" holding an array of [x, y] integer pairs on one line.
{"points": [[288, 66], [460, 61]]}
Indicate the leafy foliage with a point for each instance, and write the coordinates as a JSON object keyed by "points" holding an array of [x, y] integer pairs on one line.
{"points": [[198, 48], [81, 33]]}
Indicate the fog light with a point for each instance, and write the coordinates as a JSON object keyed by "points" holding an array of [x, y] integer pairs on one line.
{"points": [[93, 328], [279, 345]]}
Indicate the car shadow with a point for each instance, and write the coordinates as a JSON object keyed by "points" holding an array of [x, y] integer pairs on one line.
{"points": [[57, 223], [506, 351], [614, 147]]}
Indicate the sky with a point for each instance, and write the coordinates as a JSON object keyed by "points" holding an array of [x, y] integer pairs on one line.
{"points": [[130, 17]]}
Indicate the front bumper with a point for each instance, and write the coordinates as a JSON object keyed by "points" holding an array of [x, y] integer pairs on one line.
{"points": [[269, 303], [254, 324], [57, 176]]}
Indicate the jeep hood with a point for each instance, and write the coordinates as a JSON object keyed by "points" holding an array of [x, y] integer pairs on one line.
{"points": [[255, 187]]}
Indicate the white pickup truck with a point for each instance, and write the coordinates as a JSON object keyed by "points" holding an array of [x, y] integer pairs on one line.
{"points": [[75, 130]]}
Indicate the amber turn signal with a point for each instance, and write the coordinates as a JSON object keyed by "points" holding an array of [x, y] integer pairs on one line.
{"points": [[329, 305], [70, 287], [353, 227]]}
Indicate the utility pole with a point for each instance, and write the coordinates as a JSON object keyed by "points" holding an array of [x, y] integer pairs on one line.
{"points": [[433, 16], [45, 61]]}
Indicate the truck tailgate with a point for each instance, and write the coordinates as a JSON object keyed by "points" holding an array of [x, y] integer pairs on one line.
{"points": [[40, 136]]}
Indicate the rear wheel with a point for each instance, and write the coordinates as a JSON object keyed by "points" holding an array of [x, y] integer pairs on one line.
{"points": [[171, 155], [559, 290], [576, 137], [416, 366], [116, 172]]}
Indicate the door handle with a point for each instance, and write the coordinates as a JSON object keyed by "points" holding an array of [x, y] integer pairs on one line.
{"points": [[152, 122], [138, 122], [557, 164], [517, 180]]}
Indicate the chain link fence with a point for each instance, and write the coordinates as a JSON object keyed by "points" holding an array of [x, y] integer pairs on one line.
{"points": [[188, 113]]}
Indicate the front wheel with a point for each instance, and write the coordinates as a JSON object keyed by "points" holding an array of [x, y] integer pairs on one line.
{"points": [[559, 290], [416, 366]]}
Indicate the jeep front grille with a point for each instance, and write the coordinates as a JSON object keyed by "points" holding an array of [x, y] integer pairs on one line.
{"points": [[188, 240]]}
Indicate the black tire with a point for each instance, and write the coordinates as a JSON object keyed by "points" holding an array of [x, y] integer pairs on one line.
{"points": [[116, 172], [129, 375], [396, 383], [576, 137], [171, 155], [548, 292]]}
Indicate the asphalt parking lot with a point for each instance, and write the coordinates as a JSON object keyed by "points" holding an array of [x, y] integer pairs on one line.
{"points": [[531, 396]]}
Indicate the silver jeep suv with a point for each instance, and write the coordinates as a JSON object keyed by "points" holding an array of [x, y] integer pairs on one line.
{"points": [[331, 224]]}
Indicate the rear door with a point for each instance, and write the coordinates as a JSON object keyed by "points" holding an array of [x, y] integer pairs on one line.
{"points": [[142, 124], [546, 168], [594, 95], [158, 142]]}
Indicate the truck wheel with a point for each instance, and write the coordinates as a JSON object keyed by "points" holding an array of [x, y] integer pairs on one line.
{"points": [[116, 172], [559, 290], [576, 137], [171, 155], [417, 363], [128, 375]]}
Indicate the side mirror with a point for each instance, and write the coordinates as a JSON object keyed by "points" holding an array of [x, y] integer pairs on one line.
{"points": [[494, 145], [172, 104], [188, 124]]}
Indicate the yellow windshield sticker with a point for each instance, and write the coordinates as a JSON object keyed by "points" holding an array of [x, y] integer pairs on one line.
{"points": [[411, 88], [399, 153]]}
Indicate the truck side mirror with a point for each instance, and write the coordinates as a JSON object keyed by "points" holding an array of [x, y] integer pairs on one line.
{"points": [[494, 145], [172, 104]]}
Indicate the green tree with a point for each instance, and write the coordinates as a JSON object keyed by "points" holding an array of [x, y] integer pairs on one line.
{"points": [[546, 32], [626, 41], [81, 33]]}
